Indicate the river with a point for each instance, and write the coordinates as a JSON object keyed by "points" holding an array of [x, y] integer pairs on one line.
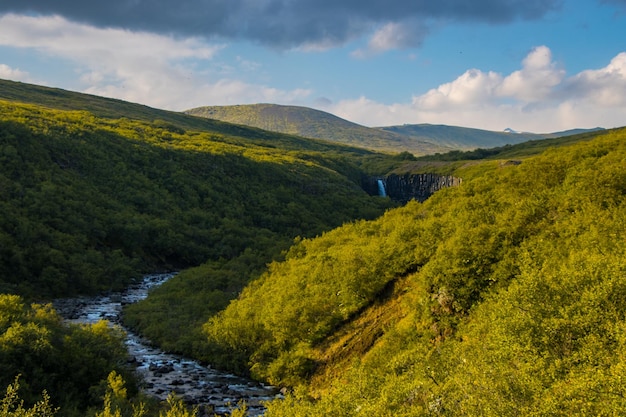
{"points": [[162, 372]]}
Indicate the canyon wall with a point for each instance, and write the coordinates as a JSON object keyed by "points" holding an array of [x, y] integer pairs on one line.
{"points": [[409, 186]]}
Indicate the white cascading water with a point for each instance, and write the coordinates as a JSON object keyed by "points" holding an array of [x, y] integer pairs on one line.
{"points": [[381, 189]]}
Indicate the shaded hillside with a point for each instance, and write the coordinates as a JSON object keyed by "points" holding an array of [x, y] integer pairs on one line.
{"points": [[504, 296], [312, 123], [463, 138], [90, 203]]}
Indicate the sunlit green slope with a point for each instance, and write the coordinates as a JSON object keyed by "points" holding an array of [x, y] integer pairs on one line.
{"points": [[55, 98], [504, 296]]}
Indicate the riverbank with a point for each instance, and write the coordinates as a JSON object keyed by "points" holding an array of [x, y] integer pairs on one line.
{"points": [[161, 372]]}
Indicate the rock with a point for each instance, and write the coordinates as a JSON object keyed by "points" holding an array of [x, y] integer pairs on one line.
{"points": [[415, 186]]}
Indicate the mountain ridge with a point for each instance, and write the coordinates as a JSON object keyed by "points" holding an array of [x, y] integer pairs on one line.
{"points": [[466, 138], [419, 139], [308, 122]]}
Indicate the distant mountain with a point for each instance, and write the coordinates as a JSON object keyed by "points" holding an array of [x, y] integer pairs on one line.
{"points": [[307, 122], [464, 138], [419, 139]]}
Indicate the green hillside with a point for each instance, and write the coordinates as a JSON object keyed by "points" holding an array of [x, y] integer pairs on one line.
{"points": [[312, 123], [55, 98], [90, 203], [463, 138], [504, 296]]}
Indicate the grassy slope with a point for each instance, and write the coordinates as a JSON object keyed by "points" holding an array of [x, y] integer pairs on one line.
{"points": [[504, 296], [60, 99], [463, 138], [312, 123], [448, 163]]}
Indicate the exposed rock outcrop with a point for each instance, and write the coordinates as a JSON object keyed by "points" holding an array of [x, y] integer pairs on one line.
{"points": [[410, 186]]}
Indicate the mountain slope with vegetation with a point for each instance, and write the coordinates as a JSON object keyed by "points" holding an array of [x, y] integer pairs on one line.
{"points": [[418, 139], [463, 138], [312, 123], [504, 296], [90, 202]]}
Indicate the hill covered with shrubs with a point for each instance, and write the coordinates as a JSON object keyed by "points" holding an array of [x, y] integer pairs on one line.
{"points": [[504, 296]]}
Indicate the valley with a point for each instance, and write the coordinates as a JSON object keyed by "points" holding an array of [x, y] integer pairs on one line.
{"points": [[359, 278], [162, 373]]}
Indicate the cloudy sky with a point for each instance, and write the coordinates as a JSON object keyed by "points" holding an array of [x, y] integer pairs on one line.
{"points": [[532, 65]]}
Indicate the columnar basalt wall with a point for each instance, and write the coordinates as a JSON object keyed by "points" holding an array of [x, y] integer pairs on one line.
{"points": [[410, 186]]}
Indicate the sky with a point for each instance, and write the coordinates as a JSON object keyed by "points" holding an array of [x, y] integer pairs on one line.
{"points": [[529, 65]]}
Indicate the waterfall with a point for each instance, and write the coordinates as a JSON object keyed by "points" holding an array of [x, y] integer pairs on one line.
{"points": [[381, 188]]}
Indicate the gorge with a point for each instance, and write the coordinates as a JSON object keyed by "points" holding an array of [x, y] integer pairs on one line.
{"points": [[405, 187]]}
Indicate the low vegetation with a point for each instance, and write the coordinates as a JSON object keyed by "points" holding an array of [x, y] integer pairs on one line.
{"points": [[91, 203], [504, 296], [67, 364]]}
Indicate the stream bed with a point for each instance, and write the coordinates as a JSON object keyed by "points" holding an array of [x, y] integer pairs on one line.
{"points": [[161, 372]]}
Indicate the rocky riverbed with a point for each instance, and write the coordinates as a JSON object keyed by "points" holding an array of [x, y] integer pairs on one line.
{"points": [[162, 372]]}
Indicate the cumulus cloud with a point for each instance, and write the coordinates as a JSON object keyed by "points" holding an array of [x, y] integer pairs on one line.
{"points": [[473, 88], [14, 74], [536, 80], [135, 66], [282, 23], [538, 97], [604, 87]]}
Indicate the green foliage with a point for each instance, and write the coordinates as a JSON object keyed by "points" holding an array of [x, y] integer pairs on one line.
{"points": [[504, 296], [176, 408], [512, 300], [91, 203], [67, 362], [12, 406], [93, 198]]}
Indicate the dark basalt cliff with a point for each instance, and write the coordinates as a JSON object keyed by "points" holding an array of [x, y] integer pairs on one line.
{"points": [[410, 186]]}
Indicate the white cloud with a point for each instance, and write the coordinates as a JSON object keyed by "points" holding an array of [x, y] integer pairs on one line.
{"points": [[180, 73], [393, 35], [604, 87], [536, 80], [147, 68], [14, 74], [472, 89], [538, 97]]}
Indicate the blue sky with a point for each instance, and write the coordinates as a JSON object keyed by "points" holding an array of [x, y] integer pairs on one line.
{"points": [[531, 65]]}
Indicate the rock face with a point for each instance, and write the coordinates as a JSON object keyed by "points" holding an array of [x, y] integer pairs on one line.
{"points": [[410, 186]]}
